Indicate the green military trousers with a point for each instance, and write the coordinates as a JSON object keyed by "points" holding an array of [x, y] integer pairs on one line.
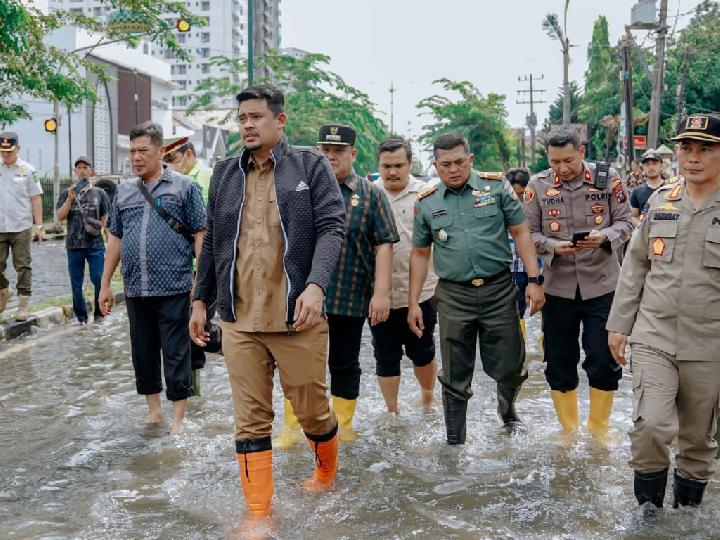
{"points": [[488, 315]]}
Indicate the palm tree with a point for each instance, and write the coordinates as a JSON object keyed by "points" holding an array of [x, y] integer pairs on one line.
{"points": [[552, 28]]}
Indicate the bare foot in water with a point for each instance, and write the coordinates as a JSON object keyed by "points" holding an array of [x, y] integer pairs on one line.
{"points": [[153, 417], [178, 428], [428, 400]]}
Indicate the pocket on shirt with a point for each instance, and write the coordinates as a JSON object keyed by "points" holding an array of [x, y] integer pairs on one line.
{"points": [[711, 253], [482, 212], [662, 238]]}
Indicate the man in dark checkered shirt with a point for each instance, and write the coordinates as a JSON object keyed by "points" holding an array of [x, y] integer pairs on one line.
{"points": [[360, 287]]}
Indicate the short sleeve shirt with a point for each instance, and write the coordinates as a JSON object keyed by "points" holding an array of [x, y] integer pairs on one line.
{"points": [[640, 196], [369, 223], [468, 227], [156, 260], [17, 186], [95, 205]]}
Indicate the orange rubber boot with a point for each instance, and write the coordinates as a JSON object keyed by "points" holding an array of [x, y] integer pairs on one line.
{"points": [[257, 481], [326, 464]]}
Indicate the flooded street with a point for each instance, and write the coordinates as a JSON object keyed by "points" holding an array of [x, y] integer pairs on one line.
{"points": [[75, 464]]}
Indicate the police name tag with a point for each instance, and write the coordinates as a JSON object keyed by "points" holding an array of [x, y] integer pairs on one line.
{"points": [[665, 216]]}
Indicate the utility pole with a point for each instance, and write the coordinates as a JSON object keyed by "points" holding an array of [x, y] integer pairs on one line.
{"points": [[627, 92], [658, 77], [392, 107], [56, 165], [680, 103], [531, 119], [251, 41]]}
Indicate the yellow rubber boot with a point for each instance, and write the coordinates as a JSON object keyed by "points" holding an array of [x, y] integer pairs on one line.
{"points": [[523, 330], [290, 433], [566, 408], [345, 410], [601, 402]]}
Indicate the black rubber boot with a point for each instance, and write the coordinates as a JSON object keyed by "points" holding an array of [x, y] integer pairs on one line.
{"points": [[650, 487], [687, 492], [506, 396], [455, 414]]}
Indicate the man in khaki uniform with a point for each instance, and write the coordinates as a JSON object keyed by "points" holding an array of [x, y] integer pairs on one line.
{"points": [[580, 277], [668, 302]]}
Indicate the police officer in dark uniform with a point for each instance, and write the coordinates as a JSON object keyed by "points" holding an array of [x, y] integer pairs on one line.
{"points": [[467, 219], [580, 275]]}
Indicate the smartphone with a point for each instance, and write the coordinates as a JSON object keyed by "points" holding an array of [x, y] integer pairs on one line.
{"points": [[579, 236], [82, 184]]}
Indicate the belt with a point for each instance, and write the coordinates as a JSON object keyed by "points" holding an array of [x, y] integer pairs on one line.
{"points": [[479, 282]]}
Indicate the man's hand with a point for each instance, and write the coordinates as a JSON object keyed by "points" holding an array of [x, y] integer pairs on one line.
{"points": [[593, 241], [617, 342], [38, 233], [565, 249], [71, 193], [308, 308], [534, 297], [197, 324], [415, 320], [106, 300], [379, 308]]}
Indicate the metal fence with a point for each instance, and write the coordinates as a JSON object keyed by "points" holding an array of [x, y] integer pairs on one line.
{"points": [[47, 196]]}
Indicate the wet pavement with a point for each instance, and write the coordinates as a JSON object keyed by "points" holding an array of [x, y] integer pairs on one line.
{"points": [[75, 464]]}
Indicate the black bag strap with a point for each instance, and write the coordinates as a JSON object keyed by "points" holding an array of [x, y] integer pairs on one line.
{"points": [[174, 224]]}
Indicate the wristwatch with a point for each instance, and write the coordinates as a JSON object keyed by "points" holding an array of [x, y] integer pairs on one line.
{"points": [[537, 280]]}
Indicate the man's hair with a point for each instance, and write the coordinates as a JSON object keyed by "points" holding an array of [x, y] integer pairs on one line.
{"points": [[148, 129], [181, 149], [519, 175], [450, 141], [563, 136], [391, 144], [273, 97]]}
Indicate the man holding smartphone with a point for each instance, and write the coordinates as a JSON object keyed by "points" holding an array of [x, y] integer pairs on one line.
{"points": [[578, 224]]}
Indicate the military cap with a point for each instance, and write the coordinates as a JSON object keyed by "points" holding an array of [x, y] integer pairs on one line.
{"points": [[8, 141], [174, 143], [337, 134], [83, 159], [700, 127], [651, 154]]}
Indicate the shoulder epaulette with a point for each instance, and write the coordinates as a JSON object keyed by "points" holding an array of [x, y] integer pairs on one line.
{"points": [[673, 180], [676, 192], [427, 192], [491, 175]]}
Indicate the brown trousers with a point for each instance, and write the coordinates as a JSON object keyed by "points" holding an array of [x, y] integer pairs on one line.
{"points": [[19, 244], [671, 399], [301, 358]]}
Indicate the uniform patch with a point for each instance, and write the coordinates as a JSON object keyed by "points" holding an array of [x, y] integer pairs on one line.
{"points": [[491, 175], [665, 216], [675, 194], [715, 221], [476, 192], [554, 212], [597, 209], [441, 212], [428, 191], [658, 246], [552, 192], [554, 226], [557, 180], [598, 219], [485, 200], [529, 195], [549, 201], [593, 190], [668, 206], [588, 176], [597, 196], [619, 192]]}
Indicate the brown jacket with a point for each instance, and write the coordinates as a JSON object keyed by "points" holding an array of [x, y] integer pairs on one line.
{"points": [[556, 210], [668, 296]]}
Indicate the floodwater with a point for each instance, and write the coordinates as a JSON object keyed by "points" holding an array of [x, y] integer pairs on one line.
{"points": [[75, 464]]}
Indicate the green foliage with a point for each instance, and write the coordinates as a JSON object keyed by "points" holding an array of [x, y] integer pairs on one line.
{"points": [[481, 120], [31, 67], [555, 111], [314, 96]]}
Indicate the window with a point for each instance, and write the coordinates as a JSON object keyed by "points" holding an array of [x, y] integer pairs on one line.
{"points": [[182, 84], [205, 68], [180, 69], [205, 6], [180, 101], [181, 38], [205, 37], [97, 11], [169, 55], [204, 52]]}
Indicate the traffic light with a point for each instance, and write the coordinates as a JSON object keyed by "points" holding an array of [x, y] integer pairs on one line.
{"points": [[51, 125], [182, 25]]}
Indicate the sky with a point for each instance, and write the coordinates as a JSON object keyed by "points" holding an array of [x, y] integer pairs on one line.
{"points": [[410, 43]]}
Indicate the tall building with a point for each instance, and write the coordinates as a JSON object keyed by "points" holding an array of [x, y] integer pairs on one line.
{"points": [[224, 35], [266, 22]]}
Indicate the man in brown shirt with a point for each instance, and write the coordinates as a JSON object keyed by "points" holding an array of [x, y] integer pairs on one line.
{"points": [[275, 225], [668, 303], [580, 276]]}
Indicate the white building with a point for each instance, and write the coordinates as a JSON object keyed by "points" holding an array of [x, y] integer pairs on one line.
{"points": [[139, 89], [224, 35]]}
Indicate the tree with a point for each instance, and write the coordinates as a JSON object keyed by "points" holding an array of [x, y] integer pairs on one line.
{"points": [[481, 120], [314, 96], [555, 111], [31, 67], [552, 28]]}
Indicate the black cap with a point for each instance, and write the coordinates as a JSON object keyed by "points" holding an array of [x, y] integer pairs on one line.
{"points": [[8, 141], [83, 159], [651, 154], [700, 127], [337, 134]]}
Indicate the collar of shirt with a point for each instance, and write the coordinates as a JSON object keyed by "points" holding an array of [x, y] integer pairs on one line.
{"points": [[413, 186], [253, 163], [22, 166], [352, 182], [472, 182], [192, 173]]}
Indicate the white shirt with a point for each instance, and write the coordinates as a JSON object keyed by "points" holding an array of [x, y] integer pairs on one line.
{"points": [[403, 205], [17, 185]]}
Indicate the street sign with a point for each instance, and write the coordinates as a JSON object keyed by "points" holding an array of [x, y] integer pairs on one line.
{"points": [[640, 142]]}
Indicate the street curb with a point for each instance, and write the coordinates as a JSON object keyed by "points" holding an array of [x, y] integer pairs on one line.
{"points": [[42, 319]]}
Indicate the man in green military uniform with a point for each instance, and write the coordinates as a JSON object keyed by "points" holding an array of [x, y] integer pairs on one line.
{"points": [[467, 218]]}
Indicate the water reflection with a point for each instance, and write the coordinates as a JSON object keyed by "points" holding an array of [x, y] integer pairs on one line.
{"points": [[76, 464]]}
